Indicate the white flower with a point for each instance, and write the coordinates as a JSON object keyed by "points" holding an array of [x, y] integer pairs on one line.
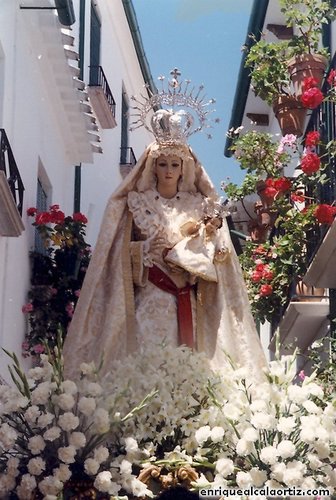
{"points": [[314, 462], [217, 434], [311, 407], [297, 394], [250, 434], [103, 483], [131, 445], [263, 421], [69, 387], [77, 439], [125, 467], [286, 424], [52, 433], [286, 449], [101, 421], [67, 454], [202, 434], [36, 444], [94, 389], [36, 466], [68, 421], [40, 394], [26, 487], [36, 373], [278, 470], [244, 447], [224, 466], [314, 389], [31, 414], [63, 473], [87, 405], [50, 485], [259, 477], [8, 436], [269, 455], [101, 454], [87, 368], [139, 489], [45, 419], [64, 401], [244, 479], [91, 466], [292, 476]]}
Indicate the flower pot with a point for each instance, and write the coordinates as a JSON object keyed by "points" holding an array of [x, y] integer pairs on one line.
{"points": [[290, 113], [306, 66], [305, 293]]}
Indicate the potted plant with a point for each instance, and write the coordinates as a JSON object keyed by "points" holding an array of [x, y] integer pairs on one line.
{"points": [[270, 81], [309, 59]]}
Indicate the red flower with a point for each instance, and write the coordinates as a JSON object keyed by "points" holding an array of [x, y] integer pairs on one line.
{"points": [[312, 139], [310, 163], [260, 250], [332, 78], [298, 196], [57, 216], [27, 308], [324, 213], [54, 207], [282, 184], [42, 218], [309, 83], [268, 275], [266, 290], [256, 276], [79, 217], [31, 211], [312, 98], [260, 268]]}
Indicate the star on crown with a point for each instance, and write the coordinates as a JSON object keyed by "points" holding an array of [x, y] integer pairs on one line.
{"points": [[188, 111]]}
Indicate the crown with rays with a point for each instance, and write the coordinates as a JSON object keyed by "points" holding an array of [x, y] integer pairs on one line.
{"points": [[180, 110]]}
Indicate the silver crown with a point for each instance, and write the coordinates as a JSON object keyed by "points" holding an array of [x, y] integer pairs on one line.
{"points": [[173, 125]]}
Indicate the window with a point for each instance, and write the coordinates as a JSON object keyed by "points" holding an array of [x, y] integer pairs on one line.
{"points": [[95, 35], [2, 82], [124, 129]]}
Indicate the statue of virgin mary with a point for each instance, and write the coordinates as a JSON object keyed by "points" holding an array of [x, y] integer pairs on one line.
{"points": [[164, 269]]}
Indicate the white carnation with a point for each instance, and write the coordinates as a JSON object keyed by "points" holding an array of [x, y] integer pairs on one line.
{"points": [[40, 395], [101, 421], [101, 454], [269, 455], [31, 414], [45, 419], [77, 439], [50, 485], [103, 483], [217, 434], [263, 421], [63, 473], [64, 401], [125, 467], [94, 389], [36, 466], [131, 445], [8, 436], [68, 421], [286, 449], [52, 433], [91, 466], [67, 454], [69, 387], [292, 476], [87, 405], [250, 434], [87, 368], [224, 466], [244, 447], [286, 424], [202, 434], [244, 479], [26, 487], [259, 477], [297, 394], [36, 444]]}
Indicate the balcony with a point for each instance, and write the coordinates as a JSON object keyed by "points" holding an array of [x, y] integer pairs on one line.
{"points": [[101, 97], [11, 191], [127, 161]]}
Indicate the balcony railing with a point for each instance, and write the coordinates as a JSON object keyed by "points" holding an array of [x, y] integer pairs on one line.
{"points": [[11, 171], [102, 97]]}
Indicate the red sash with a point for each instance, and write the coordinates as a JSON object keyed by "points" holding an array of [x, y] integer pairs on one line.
{"points": [[184, 311]]}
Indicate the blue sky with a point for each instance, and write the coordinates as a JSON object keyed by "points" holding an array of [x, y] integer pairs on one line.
{"points": [[203, 38]]}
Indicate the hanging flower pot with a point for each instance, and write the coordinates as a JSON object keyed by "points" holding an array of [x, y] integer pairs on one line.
{"points": [[305, 66], [290, 113]]}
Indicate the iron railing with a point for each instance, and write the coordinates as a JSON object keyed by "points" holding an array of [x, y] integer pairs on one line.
{"points": [[127, 156], [98, 79], [9, 167]]}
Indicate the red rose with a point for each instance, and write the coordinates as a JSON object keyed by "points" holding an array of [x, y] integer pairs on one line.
{"points": [[268, 275], [42, 218], [260, 250], [324, 213], [260, 268], [266, 290], [309, 83], [312, 98], [312, 139], [256, 276], [54, 207], [79, 217], [31, 211], [298, 196], [310, 163], [332, 78], [282, 184], [270, 192], [57, 216]]}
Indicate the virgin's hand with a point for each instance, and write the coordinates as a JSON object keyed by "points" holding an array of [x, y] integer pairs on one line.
{"points": [[157, 245]]}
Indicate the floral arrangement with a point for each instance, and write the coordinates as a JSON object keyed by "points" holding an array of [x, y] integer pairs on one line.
{"points": [[294, 208], [198, 428], [56, 277]]}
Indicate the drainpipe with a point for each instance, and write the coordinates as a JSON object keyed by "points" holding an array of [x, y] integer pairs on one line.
{"points": [[78, 168], [138, 45], [255, 27]]}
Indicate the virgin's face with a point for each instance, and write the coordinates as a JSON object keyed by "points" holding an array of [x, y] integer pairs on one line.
{"points": [[168, 170]]}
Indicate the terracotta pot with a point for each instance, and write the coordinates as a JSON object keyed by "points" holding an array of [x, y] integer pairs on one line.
{"points": [[290, 114], [305, 293], [306, 66]]}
